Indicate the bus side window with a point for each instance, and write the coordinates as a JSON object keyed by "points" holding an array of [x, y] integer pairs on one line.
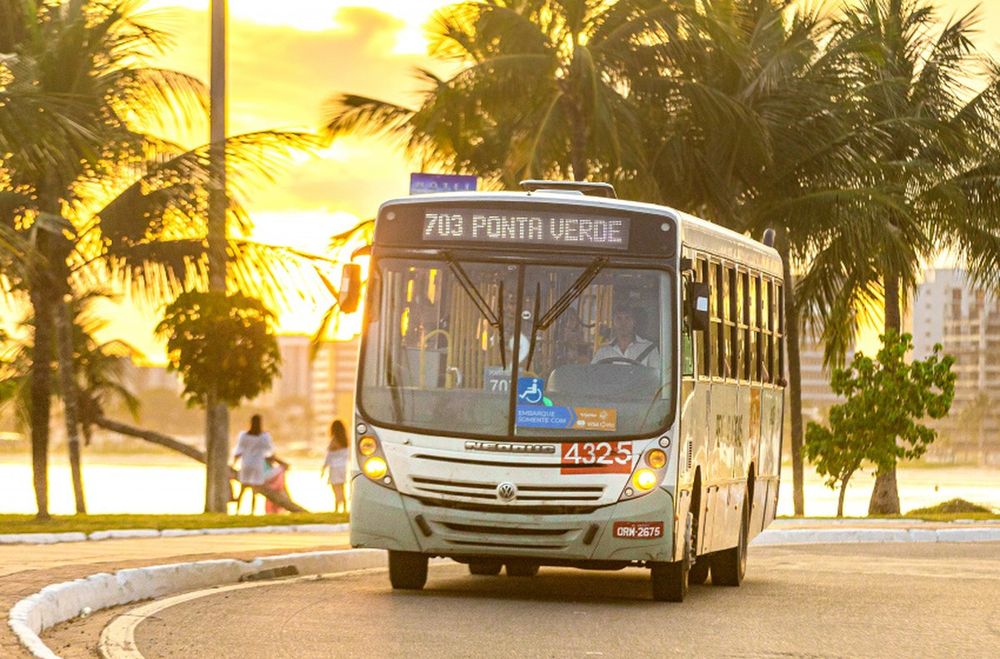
{"points": [[759, 338], [767, 325], [753, 331], [713, 317], [718, 326], [745, 326], [733, 317], [704, 342], [726, 313], [779, 343]]}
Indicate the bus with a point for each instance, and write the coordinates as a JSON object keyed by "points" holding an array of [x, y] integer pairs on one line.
{"points": [[559, 377]]}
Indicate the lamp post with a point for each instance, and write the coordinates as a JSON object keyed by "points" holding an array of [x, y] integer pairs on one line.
{"points": [[217, 491]]}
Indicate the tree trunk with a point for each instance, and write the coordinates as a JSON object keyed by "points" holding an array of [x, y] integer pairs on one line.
{"points": [[192, 452], [217, 489], [64, 336], [217, 414], [885, 494], [792, 338], [840, 499], [150, 436], [41, 393]]}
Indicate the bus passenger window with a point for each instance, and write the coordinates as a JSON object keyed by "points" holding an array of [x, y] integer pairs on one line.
{"points": [[753, 332], [704, 339], [732, 318], [719, 368], [766, 343], [745, 324], [779, 294]]}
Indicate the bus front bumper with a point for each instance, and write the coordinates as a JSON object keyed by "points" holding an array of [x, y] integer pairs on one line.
{"points": [[382, 518]]}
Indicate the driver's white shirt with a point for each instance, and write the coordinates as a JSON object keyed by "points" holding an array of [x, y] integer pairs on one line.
{"points": [[636, 348]]}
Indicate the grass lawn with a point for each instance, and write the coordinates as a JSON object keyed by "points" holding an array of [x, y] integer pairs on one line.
{"points": [[89, 523]]}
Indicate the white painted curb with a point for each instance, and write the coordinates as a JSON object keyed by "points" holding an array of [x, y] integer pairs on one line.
{"points": [[52, 538], [841, 536], [64, 601]]}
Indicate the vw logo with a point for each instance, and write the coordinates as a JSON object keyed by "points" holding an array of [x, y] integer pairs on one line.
{"points": [[506, 491]]}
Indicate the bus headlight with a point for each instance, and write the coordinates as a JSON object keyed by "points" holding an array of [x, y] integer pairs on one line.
{"points": [[375, 468], [367, 445], [644, 479]]}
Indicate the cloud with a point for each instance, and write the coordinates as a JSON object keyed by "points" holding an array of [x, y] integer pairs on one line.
{"points": [[280, 76]]}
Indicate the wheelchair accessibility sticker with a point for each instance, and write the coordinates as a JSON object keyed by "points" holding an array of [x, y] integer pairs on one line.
{"points": [[534, 410]]}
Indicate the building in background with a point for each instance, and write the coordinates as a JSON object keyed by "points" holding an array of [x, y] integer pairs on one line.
{"points": [[817, 397], [334, 377], [965, 320]]}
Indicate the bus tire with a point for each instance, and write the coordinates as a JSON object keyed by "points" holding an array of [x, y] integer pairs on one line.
{"points": [[485, 568], [698, 574], [670, 581], [407, 570], [522, 569], [730, 565]]}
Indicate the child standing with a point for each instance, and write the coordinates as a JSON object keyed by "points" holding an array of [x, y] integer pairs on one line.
{"points": [[336, 464]]}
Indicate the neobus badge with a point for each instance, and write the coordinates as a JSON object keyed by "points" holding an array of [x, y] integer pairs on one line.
{"points": [[506, 447]]}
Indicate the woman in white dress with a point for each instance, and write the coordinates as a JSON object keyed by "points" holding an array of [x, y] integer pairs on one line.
{"points": [[253, 448], [336, 464]]}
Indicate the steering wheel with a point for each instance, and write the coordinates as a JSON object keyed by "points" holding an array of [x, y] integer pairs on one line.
{"points": [[619, 360]]}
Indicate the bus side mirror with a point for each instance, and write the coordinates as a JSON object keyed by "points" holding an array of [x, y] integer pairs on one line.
{"points": [[697, 305], [349, 295]]}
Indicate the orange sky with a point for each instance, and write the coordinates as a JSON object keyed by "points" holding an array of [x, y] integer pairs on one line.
{"points": [[285, 58]]}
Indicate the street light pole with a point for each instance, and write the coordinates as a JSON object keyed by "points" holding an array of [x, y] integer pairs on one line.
{"points": [[217, 492]]}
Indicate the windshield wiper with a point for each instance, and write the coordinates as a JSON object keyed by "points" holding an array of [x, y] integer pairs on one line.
{"points": [[494, 318], [560, 305]]}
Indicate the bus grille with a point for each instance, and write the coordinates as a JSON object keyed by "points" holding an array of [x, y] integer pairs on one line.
{"points": [[527, 493]]}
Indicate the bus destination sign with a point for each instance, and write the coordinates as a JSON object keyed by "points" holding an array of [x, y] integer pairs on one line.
{"points": [[526, 227]]}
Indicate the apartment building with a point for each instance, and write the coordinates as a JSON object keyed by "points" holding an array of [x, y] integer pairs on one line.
{"points": [[965, 320]]}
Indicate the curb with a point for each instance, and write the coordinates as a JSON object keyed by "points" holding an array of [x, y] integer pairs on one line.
{"points": [[772, 537], [60, 602], [54, 538]]}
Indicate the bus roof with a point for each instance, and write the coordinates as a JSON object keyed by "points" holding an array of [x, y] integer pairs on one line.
{"points": [[695, 232]]}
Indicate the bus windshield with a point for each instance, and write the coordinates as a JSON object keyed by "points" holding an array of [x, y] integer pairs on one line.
{"points": [[476, 348]]}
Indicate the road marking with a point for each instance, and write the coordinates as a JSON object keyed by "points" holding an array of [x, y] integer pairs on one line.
{"points": [[118, 638]]}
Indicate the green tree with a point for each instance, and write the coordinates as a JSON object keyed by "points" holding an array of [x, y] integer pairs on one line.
{"points": [[881, 419], [95, 189], [223, 346], [541, 90], [935, 101]]}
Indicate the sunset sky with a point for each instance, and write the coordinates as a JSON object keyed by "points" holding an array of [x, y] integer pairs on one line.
{"points": [[286, 57]]}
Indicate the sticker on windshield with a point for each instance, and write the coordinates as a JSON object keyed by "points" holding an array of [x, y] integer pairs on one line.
{"points": [[596, 418], [530, 391], [540, 416]]}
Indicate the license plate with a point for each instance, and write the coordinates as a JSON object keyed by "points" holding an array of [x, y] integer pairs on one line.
{"points": [[596, 458], [638, 530]]}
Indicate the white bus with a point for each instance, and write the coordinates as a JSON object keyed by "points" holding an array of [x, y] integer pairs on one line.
{"points": [[558, 377]]}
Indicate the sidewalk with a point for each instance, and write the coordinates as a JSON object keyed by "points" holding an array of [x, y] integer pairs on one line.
{"points": [[26, 569]]}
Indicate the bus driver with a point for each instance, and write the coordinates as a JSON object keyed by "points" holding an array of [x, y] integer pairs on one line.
{"points": [[625, 344]]}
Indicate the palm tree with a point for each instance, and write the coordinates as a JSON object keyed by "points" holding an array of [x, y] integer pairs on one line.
{"points": [[938, 102], [97, 193], [753, 131], [542, 89]]}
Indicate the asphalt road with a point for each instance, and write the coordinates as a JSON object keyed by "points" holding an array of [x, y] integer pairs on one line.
{"points": [[902, 600]]}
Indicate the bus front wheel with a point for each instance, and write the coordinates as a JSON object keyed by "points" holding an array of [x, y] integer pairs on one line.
{"points": [[407, 570], [730, 565], [670, 581]]}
